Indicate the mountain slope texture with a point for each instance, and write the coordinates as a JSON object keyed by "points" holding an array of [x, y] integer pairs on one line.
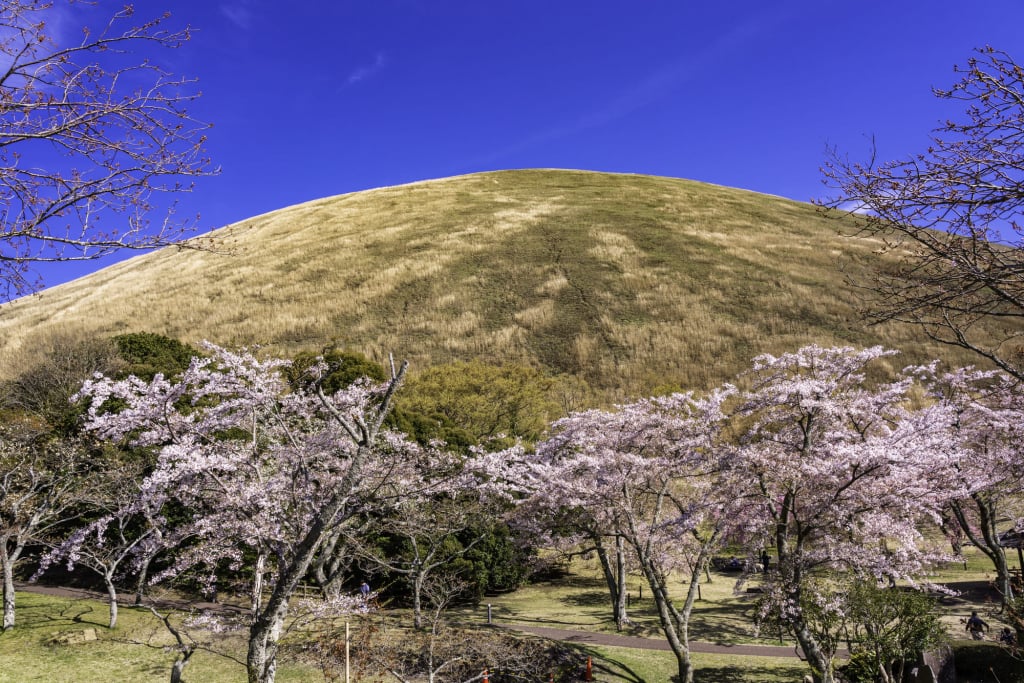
{"points": [[635, 283]]}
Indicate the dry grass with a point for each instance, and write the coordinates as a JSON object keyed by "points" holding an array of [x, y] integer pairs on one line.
{"points": [[631, 282]]}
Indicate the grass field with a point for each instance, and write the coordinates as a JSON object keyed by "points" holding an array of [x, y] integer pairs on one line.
{"points": [[133, 652], [632, 283], [636, 666]]}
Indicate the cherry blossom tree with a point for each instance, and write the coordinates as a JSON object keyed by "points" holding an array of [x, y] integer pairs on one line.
{"points": [[988, 475], [573, 529], [127, 530], [263, 471], [91, 129], [643, 473], [39, 481], [843, 475], [420, 538]]}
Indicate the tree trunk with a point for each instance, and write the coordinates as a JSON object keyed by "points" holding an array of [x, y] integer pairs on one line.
{"points": [[329, 565], [261, 660], [819, 661], [614, 577], [791, 577], [8, 569], [268, 620], [622, 618], [256, 599], [179, 665], [112, 598], [417, 607], [140, 583], [988, 542], [673, 624]]}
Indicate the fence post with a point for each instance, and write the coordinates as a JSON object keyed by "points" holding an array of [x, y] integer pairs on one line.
{"points": [[489, 614]]}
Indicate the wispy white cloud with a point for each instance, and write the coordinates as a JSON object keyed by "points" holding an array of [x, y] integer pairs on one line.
{"points": [[652, 88], [238, 14], [365, 72]]}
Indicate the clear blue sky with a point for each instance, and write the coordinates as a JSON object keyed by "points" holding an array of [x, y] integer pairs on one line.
{"points": [[320, 97]]}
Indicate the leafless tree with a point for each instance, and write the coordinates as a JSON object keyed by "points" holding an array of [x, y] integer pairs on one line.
{"points": [[442, 653], [951, 218], [50, 369], [426, 532], [91, 130]]}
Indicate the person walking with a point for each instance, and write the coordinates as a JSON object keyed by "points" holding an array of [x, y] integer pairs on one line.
{"points": [[976, 626]]}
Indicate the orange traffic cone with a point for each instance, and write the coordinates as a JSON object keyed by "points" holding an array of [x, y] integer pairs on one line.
{"points": [[485, 675]]}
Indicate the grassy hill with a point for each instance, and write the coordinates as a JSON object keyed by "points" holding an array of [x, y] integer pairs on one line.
{"points": [[632, 282]]}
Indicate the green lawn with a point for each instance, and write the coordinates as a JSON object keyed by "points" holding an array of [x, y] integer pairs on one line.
{"points": [[134, 651], [638, 666]]}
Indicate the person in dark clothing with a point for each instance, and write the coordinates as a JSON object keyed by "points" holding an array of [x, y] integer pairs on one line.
{"points": [[976, 626]]}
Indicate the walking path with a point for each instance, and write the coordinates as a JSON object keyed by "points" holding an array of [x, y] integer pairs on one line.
{"points": [[615, 640]]}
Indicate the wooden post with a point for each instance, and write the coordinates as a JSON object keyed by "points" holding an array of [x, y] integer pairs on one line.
{"points": [[589, 676], [698, 592]]}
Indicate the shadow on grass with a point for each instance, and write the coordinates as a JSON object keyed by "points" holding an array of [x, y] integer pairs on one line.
{"points": [[749, 674], [506, 614], [43, 615], [973, 592], [726, 624], [577, 581], [587, 599], [610, 667]]}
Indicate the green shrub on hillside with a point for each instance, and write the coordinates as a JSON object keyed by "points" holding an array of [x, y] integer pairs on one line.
{"points": [[148, 354]]}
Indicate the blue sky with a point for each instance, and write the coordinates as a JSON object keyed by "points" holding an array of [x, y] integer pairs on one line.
{"points": [[316, 98]]}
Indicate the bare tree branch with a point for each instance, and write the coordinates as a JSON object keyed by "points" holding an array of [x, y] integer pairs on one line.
{"points": [[951, 217], [90, 132]]}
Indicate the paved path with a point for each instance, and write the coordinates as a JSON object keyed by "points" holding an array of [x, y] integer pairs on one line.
{"points": [[615, 640]]}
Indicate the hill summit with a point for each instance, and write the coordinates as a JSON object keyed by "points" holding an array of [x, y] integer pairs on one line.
{"points": [[631, 282]]}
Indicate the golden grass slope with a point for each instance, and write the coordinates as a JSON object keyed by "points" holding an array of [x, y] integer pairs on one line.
{"points": [[632, 282]]}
